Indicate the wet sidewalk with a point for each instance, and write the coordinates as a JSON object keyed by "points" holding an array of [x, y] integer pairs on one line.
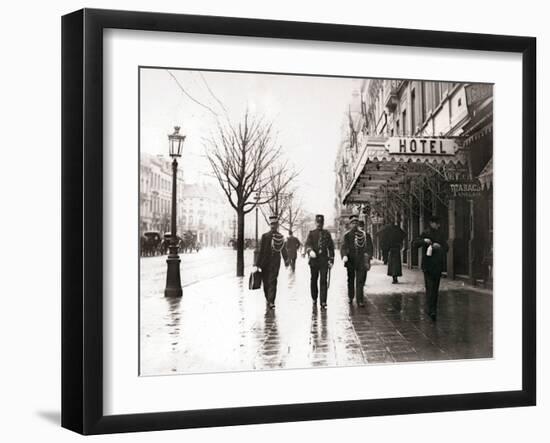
{"points": [[219, 325]]}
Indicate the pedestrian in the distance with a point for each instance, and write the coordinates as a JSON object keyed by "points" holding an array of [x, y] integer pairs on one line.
{"points": [[292, 247], [434, 249], [272, 247], [393, 240], [381, 234], [320, 249], [356, 251]]}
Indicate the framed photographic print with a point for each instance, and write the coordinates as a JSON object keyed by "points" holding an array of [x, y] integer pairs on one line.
{"points": [[269, 221]]}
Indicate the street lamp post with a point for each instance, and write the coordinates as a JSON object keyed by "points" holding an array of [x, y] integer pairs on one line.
{"points": [[173, 280]]}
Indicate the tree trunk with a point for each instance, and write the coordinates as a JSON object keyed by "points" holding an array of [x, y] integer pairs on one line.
{"points": [[240, 242]]}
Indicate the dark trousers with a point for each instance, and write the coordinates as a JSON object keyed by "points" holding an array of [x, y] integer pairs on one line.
{"points": [[431, 280], [319, 273], [357, 275], [292, 263], [269, 282]]}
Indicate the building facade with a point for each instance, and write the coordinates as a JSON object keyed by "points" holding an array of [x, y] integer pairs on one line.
{"points": [[155, 196], [201, 207], [206, 212], [415, 148]]}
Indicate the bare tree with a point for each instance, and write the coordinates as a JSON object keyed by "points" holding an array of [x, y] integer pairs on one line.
{"points": [[293, 212], [240, 155], [277, 190]]}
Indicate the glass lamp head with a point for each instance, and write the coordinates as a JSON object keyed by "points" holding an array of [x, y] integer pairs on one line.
{"points": [[175, 141]]}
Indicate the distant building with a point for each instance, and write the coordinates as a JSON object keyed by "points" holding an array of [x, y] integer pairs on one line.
{"points": [[205, 211], [155, 196]]}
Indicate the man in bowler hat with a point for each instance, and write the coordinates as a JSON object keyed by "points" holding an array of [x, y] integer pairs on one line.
{"points": [[320, 249], [434, 249], [272, 247], [356, 250]]}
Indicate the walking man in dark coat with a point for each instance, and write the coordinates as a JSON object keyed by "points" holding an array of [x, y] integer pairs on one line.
{"points": [[292, 247], [393, 242], [320, 249], [434, 249], [356, 251], [272, 247]]}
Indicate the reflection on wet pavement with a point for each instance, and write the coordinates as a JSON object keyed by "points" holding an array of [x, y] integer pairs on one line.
{"points": [[219, 325]]}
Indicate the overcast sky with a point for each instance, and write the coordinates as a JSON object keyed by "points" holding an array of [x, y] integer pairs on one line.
{"points": [[307, 113]]}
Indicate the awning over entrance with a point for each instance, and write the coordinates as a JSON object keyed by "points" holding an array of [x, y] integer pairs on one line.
{"points": [[486, 175], [387, 163]]}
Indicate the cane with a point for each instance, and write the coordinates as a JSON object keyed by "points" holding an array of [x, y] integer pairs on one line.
{"points": [[328, 282]]}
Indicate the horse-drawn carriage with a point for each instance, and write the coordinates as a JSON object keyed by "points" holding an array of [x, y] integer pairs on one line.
{"points": [[150, 243], [165, 244], [189, 242], [153, 243]]}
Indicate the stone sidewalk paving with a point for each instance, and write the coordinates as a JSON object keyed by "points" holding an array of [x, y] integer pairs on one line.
{"points": [[219, 325]]}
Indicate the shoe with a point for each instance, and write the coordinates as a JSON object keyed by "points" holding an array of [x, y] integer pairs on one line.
{"points": [[271, 305], [433, 316], [323, 306], [350, 301], [361, 305]]}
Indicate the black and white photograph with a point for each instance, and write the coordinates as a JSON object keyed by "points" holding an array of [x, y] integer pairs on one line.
{"points": [[300, 221]]}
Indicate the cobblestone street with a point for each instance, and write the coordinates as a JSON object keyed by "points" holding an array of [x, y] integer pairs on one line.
{"points": [[219, 325]]}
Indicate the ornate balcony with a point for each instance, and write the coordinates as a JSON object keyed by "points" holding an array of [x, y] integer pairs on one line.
{"points": [[391, 93]]}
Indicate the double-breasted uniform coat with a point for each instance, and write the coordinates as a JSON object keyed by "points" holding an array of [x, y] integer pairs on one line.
{"points": [[320, 241], [272, 248], [357, 247]]}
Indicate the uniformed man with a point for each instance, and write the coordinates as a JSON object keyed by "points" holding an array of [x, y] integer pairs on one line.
{"points": [[292, 247], [272, 247], [434, 250], [393, 241], [356, 251], [320, 249]]}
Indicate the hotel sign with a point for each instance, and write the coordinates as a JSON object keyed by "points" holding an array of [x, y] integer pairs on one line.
{"points": [[421, 146]]}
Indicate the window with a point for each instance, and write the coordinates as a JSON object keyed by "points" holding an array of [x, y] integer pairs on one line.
{"points": [[397, 127], [413, 111], [437, 93], [404, 122], [425, 100]]}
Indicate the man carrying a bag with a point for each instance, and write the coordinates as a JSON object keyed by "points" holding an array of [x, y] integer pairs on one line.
{"points": [[272, 247]]}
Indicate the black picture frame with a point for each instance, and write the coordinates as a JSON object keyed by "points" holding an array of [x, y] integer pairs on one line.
{"points": [[82, 219]]}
